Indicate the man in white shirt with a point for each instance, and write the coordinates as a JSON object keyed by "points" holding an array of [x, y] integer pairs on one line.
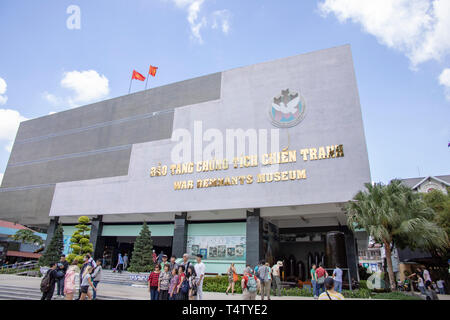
{"points": [[427, 278], [200, 272]]}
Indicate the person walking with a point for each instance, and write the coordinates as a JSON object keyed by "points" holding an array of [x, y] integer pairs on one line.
{"points": [[125, 261], [119, 266], [61, 273], [48, 283], [276, 277], [154, 257], [200, 269], [86, 283], [182, 289], [250, 284], [83, 268], [173, 284], [421, 285], [441, 286], [191, 276], [96, 277], [153, 282], [232, 279], [91, 260], [160, 255], [330, 293], [321, 276], [71, 280], [337, 276], [256, 273], [264, 278], [314, 281], [427, 277]]}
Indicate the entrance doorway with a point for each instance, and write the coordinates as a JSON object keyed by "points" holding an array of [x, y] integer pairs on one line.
{"points": [[125, 245]]}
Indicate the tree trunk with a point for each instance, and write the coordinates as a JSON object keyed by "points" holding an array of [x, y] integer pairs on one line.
{"points": [[387, 250]]}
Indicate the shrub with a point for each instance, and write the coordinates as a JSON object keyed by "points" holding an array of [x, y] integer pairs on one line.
{"points": [[356, 294], [395, 296], [220, 284], [363, 284]]}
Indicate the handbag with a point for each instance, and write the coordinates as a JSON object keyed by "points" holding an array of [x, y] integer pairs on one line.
{"points": [[184, 286], [235, 277]]}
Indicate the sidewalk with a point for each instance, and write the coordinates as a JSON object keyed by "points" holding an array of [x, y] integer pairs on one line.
{"points": [[140, 292]]}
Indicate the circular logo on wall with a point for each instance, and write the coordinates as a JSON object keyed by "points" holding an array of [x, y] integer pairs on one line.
{"points": [[287, 110]]}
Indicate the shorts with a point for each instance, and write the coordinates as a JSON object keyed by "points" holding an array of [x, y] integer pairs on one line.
{"points": [[84, 289]]}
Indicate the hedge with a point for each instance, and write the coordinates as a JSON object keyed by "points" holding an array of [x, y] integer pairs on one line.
{"points": [[394, 296], [220, 284]]}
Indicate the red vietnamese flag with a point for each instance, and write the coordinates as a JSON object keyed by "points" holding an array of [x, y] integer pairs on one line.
{"points": [[137, 76], [152, 71]]}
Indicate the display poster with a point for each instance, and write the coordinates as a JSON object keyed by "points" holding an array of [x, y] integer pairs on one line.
{"points": [[217, 248]]}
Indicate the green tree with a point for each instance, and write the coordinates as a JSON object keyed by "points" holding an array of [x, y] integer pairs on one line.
{"points": [[440, 203], [393, 214], [55, 248], [27, 236], [141, 259], [79, 242]]}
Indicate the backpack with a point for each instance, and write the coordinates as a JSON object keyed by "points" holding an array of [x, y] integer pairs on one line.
{"points": [[45, 283], [251, 284]]}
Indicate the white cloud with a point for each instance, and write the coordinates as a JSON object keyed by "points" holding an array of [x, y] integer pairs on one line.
{"points": [[9, 123], [444, 80], [86, 86], [197, 21], [222, 18], [52, 99], [3, 87], [417, 28]]}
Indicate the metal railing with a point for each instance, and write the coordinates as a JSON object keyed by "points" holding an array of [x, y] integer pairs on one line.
{"points": [[27, 265]]}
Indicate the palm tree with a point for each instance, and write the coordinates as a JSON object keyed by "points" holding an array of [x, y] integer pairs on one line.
{"points": [[27, 236], [393, 214]]}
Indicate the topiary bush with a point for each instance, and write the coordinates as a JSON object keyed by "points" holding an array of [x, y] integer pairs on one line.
{"points": [[79, 242]]}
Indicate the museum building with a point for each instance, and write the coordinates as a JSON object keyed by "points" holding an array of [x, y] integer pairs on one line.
{"points": [[251, 163]]}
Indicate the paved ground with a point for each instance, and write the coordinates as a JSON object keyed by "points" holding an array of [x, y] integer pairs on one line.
{"points": [[111, 291]]}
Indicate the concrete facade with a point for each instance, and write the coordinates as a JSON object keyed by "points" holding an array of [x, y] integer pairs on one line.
{"points": [[89, 142], [95, 160]]}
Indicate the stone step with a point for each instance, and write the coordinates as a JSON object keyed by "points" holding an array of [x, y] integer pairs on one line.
{"points": [[8, 292]]}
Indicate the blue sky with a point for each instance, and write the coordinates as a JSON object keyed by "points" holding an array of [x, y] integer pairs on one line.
{"points": [[400, 62]]}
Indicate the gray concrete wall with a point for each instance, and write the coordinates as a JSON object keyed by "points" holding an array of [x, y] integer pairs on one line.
{"points": [[89, 142], [327, 81]]}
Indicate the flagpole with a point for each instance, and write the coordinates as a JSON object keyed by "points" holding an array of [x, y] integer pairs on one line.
{"points": [[131, 80], [146, 82]]}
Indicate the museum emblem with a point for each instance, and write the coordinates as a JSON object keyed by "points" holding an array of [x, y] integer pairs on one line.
{"points": [[287, 109]]}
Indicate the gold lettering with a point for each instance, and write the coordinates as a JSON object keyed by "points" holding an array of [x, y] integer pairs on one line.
{"points": [[339, 151], [304, 153], [322, 154], [312, 154]]}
